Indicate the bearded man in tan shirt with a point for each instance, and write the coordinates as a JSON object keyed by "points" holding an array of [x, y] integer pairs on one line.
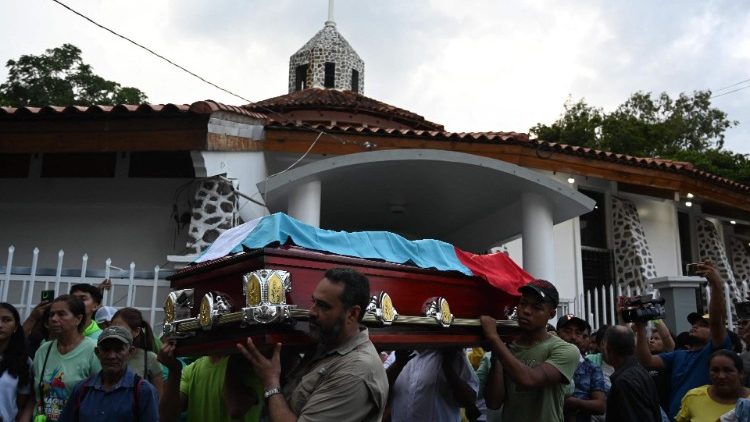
{"points": [[343, 378]]}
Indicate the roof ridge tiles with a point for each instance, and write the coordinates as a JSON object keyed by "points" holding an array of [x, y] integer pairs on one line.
{"points": [[124, 108], [149, 108], [98, 109], [50, 109], [336, 100]]}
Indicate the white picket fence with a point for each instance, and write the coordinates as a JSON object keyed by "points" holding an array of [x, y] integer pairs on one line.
{"points": [[143, 290], [587, 306]]}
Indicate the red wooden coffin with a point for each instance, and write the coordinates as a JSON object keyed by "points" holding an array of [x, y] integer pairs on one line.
{"points": [[408, 287]]}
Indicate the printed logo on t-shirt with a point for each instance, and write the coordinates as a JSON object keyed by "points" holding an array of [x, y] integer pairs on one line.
{"points": [[55, 395]]}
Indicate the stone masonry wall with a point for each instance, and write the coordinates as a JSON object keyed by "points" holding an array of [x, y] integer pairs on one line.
{"points": [[710, 247], [633, 261], [740, 261], [213, 213], [327, 46]]}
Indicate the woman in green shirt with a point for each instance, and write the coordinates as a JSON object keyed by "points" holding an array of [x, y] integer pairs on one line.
{"points": [[63, 362]]}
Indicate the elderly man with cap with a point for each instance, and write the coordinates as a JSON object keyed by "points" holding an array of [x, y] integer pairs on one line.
{"points": [[708, 333], [588, 396], [529, 377], [115, 393]]}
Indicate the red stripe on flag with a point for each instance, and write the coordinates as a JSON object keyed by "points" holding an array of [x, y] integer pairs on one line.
{"points": [[497, 268]]}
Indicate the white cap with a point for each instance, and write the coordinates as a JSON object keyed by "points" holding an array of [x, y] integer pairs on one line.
{"points": [[104, 314]]}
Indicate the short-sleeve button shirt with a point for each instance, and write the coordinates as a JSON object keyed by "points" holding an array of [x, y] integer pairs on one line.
{"points": [[346, 383]]}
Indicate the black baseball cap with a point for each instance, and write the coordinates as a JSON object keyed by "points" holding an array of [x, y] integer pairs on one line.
{"points": [[543, 289], [694, 317], [572, 319]]}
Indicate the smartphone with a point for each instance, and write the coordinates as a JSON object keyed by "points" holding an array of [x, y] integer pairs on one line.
{"points": [[48, 295], [692, 269]]}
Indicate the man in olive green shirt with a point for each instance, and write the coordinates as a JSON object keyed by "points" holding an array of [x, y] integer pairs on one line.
{"points": [[530, 377]]}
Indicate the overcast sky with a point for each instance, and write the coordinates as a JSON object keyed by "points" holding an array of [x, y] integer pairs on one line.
{"points": [[480, 65]]}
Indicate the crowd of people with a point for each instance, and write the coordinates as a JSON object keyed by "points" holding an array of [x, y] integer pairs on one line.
{"points": [[75, 360]]}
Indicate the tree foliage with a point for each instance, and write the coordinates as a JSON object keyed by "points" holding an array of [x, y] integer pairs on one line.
{"points": [[60, 77], [687, 128]]}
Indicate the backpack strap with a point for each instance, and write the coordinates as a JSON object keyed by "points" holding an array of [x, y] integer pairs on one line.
{"points": [[85, 385], [40, 404], [138, 383]]}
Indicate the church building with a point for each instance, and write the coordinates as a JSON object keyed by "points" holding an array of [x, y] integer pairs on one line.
{"points": [[156, 184]]}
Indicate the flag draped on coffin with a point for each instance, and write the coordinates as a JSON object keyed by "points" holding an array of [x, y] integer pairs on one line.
{"points": [[280, 229]]}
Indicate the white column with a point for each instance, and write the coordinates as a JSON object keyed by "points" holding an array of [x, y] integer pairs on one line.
{"points": [[304, 203], [538, 239]]}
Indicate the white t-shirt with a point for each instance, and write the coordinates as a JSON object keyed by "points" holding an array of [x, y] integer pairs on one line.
{"points": [[421, 392], [9, 391]]}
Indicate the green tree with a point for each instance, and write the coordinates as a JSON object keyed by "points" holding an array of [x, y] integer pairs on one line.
{"points": [[580, 125], [687, 128], [60, 77]]}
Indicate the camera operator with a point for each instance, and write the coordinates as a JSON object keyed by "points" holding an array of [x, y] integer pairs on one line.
{"points": [[689, 368]]}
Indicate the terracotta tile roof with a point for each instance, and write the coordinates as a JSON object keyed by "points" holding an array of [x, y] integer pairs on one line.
{"points": [[331, 99], [349, 101], [198, 107], [514, 138]]}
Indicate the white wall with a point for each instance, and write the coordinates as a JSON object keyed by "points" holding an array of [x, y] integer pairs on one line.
{"points": [[128, 220], [659, 220], [246, 168], [568, 276]]}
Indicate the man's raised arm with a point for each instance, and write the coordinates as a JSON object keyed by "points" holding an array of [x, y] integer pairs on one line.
{"points": [[717, 305]]}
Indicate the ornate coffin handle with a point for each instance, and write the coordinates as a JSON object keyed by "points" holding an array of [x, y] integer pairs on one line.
{"points": [[438, 309], [381, 307], [178, 304], [213, 306], [177, 308], [265, 296]]}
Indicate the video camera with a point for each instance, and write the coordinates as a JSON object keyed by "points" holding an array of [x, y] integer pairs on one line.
{"points": [[642, 309], [743, 310]]}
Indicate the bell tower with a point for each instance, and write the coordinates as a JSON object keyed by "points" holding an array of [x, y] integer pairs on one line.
{"points": [[327, 61]]}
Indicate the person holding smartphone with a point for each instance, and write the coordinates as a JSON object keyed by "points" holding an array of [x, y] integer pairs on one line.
{"points": [[689, 368]]}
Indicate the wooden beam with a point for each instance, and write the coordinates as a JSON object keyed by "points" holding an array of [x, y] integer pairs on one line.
{"points": [[104, 142], [102, 134], [222, 142], [646, 190]]}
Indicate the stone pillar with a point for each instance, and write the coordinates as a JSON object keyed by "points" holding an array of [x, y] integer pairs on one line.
{"points": [[740, 261], [538, 239], [634, 264], [214, 212], [711, 248], [679, 293], [304, 203]]}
